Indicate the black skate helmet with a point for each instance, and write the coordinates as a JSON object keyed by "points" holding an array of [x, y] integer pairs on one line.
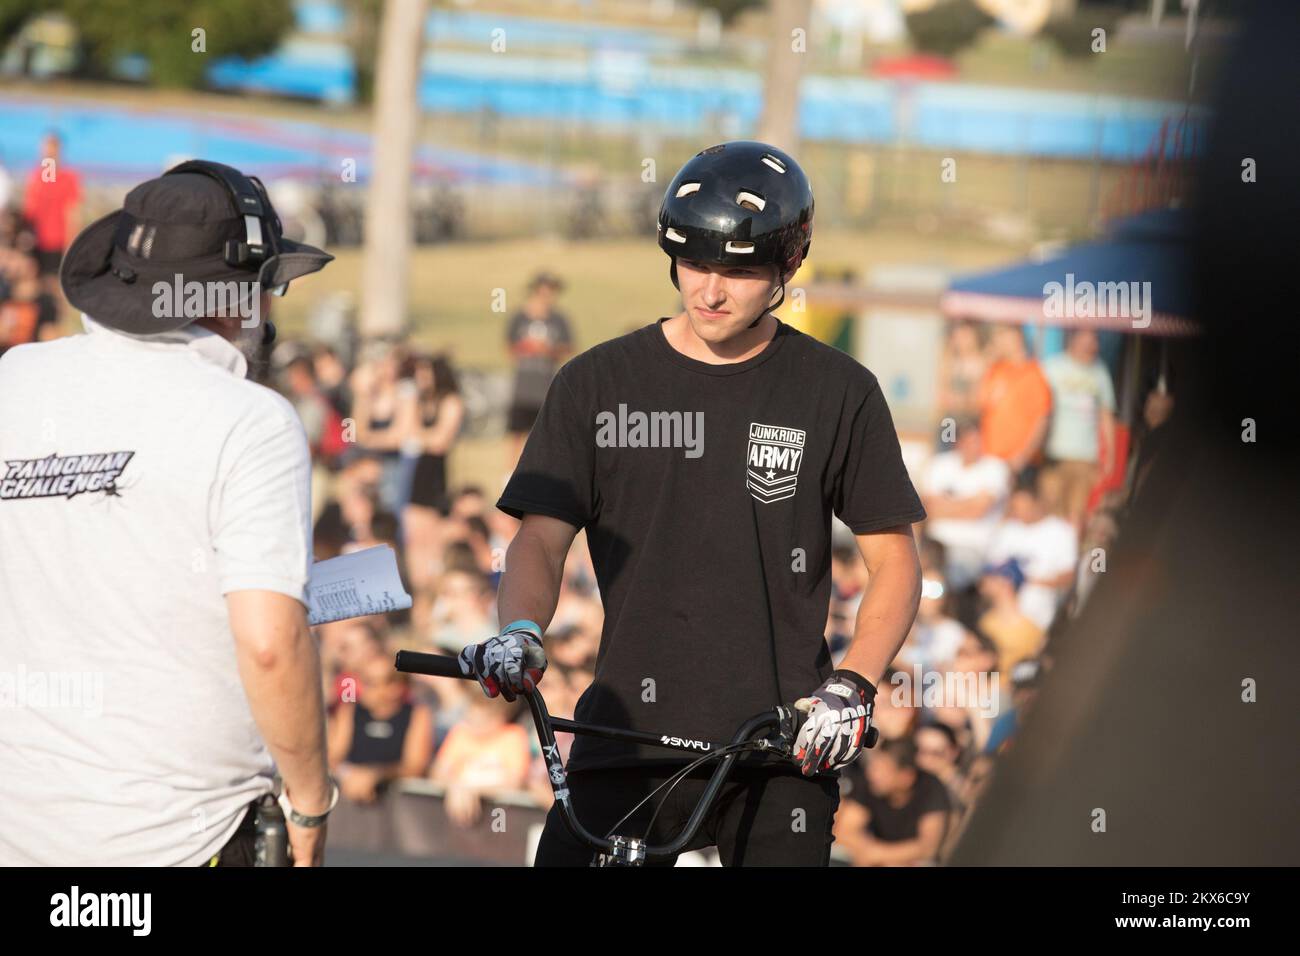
{"points": [[740, 203]]}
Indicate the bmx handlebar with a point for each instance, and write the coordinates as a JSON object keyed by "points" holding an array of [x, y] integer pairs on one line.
{"points": [[626, 851]]}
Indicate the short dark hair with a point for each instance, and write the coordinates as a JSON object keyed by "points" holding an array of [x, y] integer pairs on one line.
{"points": [[384, 526], [304, 363], [902, 750], [943, 729], [478, 526]]}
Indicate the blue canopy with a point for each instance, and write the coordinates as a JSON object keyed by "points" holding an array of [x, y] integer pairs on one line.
{"points": [[1136, 279]]}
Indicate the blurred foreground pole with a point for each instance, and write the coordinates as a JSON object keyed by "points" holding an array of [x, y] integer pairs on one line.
{"points": [[779, 123], [388, 204]]}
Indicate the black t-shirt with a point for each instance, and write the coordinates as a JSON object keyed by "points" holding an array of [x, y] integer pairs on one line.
{"points": [[533, 373], [691, 544], [888, 822]]}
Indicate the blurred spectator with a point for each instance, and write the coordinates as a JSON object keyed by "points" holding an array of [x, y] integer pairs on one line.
{"points": [[1099, 534], [964, 492], [468, 502], [27, 311], [347, 520], [975, 670], [462, 612], [932, 555], [935, 637], [848, 576], [483, 754], [894, 814], [312, 407], [320, 421], [345, 648], [976, 782], [1024, 686], [1046, 548], [383, 410], [1149, 437], [1015, 635], [961, 368], [939, 754], [381, 737], [539, 338], [439, 413], [1083, 408], [50, 203], [893, 714], [332, 379], [21, 301], [1015, 401], [572, 646]]}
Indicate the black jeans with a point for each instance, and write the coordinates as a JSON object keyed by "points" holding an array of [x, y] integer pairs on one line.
{"points": [[761, 817], [239, 849]]}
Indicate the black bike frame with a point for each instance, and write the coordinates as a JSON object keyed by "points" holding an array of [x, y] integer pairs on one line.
{"points": [[618, 850]]}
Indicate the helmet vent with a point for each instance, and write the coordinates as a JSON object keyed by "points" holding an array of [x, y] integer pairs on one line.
{"points": [[685, 189], [673, 234], [738, 246], [751, 201], [775, 163]]}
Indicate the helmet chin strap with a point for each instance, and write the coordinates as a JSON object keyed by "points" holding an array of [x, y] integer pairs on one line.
{"points": [[774, 305]]}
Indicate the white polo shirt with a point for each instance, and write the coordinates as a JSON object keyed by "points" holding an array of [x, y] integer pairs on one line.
{"points": [[141, 479]]}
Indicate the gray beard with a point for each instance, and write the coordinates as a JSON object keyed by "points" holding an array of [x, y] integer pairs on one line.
{"points": [[249, 343]]}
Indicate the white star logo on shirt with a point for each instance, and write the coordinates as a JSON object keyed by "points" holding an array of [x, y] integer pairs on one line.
{"points": [[770, 474]]}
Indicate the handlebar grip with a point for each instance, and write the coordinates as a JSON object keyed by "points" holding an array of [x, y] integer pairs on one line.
{"points": [[436, 665]]}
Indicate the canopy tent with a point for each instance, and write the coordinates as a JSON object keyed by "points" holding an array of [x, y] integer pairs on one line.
{"points": [[1136, 280]]}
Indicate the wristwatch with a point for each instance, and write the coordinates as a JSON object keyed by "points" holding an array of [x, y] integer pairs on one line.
{"points": [[301, 819]]}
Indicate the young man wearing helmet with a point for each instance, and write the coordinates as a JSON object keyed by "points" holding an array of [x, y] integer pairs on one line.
{"points": [[704, 455]]}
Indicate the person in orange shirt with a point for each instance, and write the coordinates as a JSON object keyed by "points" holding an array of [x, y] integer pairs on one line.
{"points": [[1015, 401], [50, 203]]}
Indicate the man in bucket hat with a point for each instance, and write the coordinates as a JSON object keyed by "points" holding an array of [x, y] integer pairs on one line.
{"points": [[154, 503]]}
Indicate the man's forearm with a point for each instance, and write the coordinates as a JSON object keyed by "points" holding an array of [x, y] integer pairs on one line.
{"points": [[884, 618], [283, 684], [530, 586]]}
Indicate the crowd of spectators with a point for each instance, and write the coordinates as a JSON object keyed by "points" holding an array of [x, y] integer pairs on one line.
{"points": [[381, 426], [34, 233], [1023, 496]]}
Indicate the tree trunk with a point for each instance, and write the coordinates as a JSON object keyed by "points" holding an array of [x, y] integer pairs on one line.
{"points": [[779, 121], [388, 203]]}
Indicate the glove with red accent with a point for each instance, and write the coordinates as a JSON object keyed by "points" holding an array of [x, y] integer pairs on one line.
{"points": [[510, 663], [838, 718]]}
